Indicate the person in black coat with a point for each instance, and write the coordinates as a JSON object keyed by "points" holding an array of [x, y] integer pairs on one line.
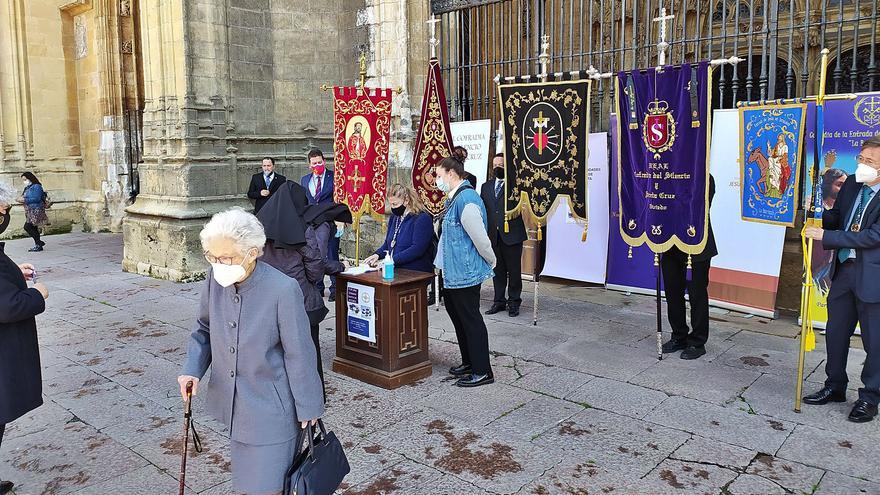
{"points": [[673, 263], [264, 184], [20, 380], [508, 246]]}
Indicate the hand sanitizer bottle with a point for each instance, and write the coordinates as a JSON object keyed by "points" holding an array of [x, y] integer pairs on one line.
{"points": [[388, 268]]}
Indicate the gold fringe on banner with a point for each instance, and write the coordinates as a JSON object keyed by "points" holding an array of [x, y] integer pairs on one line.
{"points": [[584, 235]]}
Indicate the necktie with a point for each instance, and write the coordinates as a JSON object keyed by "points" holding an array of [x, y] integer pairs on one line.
{"points": [[498, 187], [268, 181], [317, 188], [867, 192]]}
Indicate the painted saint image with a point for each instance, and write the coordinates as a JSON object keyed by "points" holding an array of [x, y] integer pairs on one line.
{"points": [[357, 145], [778, 168]]}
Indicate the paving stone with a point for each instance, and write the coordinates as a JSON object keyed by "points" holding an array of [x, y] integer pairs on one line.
{"points": [[853, 455], [749, 484], [699, 449], [533, 418], [146, 480], [507, 338], [49, 415], [696, 379], [495, 400], [224, 488], [551, 380], [402, 477], [449, 485], [361, 408], [834, 483], [618, 397], [103, 405], [613, 442], [41, 464], [613, 361], [689, 477], [577, 476], [772, 361], [368, 460], [854, 364], [765, 434], [791, 475]]}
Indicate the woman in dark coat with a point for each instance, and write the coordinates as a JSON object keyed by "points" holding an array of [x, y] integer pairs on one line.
{"points": [[34, 199], [20, 380], [292, 248]]}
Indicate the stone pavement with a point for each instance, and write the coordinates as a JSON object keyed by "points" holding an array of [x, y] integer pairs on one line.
{"points": [[581, 405]]}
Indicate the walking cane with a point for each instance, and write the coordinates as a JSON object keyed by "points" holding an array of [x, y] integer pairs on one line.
{"points": [[187, 426]]}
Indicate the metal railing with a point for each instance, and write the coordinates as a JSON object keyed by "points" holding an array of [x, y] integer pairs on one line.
{"points": [[779, 41]]}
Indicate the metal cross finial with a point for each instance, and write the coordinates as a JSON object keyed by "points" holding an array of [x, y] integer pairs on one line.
{"points": [[544, 56], [662, 45], [433, 41]]}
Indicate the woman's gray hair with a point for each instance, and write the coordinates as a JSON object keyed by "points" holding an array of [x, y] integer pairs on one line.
{"points": [[238, 225], [8, 195]]}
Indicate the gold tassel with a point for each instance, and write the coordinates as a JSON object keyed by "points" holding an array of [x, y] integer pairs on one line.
{"points": [[690, 265], [810, 343], [506, 226], [540, 235], [630, 254], [656, 259], [584, 235]]}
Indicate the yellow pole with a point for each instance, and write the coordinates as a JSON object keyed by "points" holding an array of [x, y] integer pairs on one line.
{"points": [[809, 221], [357, 244]]}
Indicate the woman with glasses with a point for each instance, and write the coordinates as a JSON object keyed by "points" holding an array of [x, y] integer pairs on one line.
{"points": [[253, 331]]}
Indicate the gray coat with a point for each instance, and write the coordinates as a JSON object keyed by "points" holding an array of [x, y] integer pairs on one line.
{"points": [[256, 338]]}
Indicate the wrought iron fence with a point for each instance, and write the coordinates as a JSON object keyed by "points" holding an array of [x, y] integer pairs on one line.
{"points": [[779, 41]]}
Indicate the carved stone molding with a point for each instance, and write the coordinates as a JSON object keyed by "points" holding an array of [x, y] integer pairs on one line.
{"points": [[76, 7], [125, 8], [126, 46]]}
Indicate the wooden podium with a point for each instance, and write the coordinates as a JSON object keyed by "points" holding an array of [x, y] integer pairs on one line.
{"points": [[400, 354]]}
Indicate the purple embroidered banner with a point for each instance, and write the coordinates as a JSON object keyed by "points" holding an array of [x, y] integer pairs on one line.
{"points": [[663, 159]]}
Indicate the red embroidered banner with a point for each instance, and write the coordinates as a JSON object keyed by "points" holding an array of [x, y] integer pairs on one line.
{"points": [[362, 130], [433, 141]]}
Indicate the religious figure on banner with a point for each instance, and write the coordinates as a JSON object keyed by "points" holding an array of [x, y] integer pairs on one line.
{"points": [[768, 185], [357, 145], [547, 149]]}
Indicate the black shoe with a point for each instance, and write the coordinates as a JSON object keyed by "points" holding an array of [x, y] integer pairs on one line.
{"points": [[824, 396], [460, 370], [332, 296], [674, 345], [496, 308], [862, 412], [41, 243], [35, 249], [513, 311], [693, 352], [5, 487], [475, 380]]}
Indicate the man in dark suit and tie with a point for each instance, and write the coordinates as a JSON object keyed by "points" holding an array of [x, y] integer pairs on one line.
{"points": [[508, 246], [673, 263], [852, 229], [319, 185], [264, 184]]}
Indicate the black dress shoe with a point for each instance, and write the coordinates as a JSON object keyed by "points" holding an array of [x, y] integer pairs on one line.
{"points": [[460, 370], [862, 412], [693, 352], [496, 308], [5, 487], [513, 311], [824, 396], [674, 345], [35, 249], [475, 380]]}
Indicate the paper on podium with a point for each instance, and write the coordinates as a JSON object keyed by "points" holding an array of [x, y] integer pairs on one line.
{"points": [[360, 270]]}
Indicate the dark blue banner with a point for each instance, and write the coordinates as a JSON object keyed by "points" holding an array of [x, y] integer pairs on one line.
{"points": [[663, 160]]}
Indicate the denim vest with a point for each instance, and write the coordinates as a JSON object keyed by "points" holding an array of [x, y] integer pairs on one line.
{"points": [[462, 266]]}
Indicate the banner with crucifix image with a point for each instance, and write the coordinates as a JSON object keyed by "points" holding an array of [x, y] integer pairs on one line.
{"points": [[362, 131], [663, 156], [546, 127]]}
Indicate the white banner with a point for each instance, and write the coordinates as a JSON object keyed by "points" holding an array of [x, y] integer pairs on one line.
{"points": [[361, 301], [745, 274], [564, 233], [474, 136]]}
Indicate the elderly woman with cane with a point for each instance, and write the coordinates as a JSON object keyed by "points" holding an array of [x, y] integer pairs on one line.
{"points": [[253, 331], [20, 381]]}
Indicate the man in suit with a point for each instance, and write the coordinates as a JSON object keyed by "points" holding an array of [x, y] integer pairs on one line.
{"points": [[852, 229], [319, 184], [508, 246], [673, 263], [264, 184]]}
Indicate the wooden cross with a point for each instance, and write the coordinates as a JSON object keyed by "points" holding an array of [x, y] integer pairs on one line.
{"points": [[433, 41], [662, 45], [357, 179]]}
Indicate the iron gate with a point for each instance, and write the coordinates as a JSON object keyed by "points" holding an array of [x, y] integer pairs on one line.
{"points": [[779, 41]]}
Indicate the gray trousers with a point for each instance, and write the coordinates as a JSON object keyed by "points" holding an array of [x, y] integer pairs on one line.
{"points": [[845, 309]]}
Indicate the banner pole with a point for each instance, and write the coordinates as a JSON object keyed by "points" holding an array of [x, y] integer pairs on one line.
{"points": [[357, 244], [659, 319], [815, 173]]}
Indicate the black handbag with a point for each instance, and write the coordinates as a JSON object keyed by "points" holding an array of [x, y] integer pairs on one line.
{"points": [[320, 469]]}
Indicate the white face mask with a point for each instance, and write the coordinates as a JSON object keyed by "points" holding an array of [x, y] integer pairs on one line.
{"points": [[27, 183], [865, 173], [442, 185], [226, 275]]}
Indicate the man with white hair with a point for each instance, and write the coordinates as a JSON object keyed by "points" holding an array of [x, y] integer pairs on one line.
{"points": [[20, 380]]}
